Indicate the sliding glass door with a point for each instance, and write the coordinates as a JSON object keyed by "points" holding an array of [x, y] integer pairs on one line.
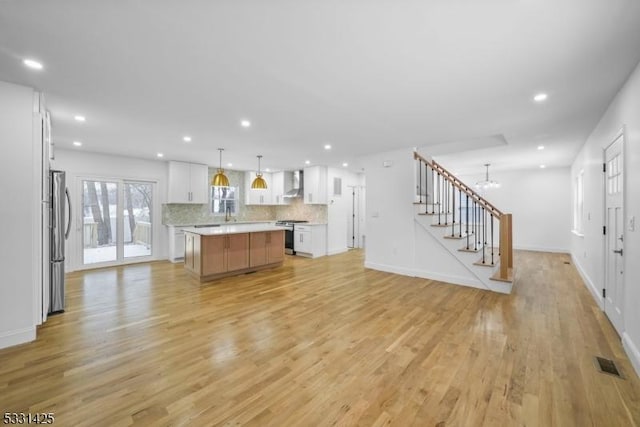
{"points": [[137, 219], [116, 221]]}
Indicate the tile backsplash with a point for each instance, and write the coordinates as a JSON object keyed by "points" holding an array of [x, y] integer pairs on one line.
{"points": [[298, 210], [190, 214]]}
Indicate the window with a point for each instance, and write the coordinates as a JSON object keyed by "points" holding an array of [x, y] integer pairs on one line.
{"points": [[578, 202], [224, 199]]}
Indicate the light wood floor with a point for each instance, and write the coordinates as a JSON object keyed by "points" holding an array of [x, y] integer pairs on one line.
{"points": [[322, 342]]}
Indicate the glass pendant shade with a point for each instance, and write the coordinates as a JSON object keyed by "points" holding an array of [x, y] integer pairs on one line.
{"points": [[259, 182], [487, 183], [220, 179]]}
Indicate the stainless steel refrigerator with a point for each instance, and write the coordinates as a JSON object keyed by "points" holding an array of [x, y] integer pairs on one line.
{"points": [[60, 225]]}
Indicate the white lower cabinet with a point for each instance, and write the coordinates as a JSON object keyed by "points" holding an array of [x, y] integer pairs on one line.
{"points": [[176, 244], [310, 240]]}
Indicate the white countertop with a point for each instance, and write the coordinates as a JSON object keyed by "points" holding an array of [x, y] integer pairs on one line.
{"points": [[233, 229], [191, 224]]}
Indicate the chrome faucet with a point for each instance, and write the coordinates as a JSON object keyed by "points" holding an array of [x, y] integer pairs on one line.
{"points": [[227, 214]]}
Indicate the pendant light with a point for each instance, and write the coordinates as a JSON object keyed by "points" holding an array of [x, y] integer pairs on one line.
{"points": [[259, 183], [220, 179], [487, 183]]}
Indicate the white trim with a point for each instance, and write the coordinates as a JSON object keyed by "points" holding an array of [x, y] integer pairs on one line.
{"points": [[588, 283], [337, 251], [18, 336], [577, 233], [424, 274], [541, 249], [632, 351]]}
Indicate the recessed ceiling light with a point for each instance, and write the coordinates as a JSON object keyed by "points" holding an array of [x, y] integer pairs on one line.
{"points": [[540, 147], [345, 164], [540, 97], [543, 166], [160, 155], [33, 64], [77, 143], [229, 165], [245, 123], [307, 162], [267, 170], [80, 118], [186, 139], [327, 146]]}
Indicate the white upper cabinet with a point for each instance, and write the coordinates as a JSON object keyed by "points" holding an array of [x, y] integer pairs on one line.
{"points": [[282, 182], [188, 183], [315, 185], [257, 197]]}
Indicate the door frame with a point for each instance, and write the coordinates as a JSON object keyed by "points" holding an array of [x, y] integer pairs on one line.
{"points": [[77, 261], [621, 133]]}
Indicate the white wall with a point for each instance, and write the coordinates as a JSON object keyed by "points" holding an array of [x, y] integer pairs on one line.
{"points": [[18, 218], [79, 164], [395, 243], [540, 201], [588, 251], [339, 209]]}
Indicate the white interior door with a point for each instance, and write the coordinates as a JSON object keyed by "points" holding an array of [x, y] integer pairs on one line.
{"points": [[614, 252]]}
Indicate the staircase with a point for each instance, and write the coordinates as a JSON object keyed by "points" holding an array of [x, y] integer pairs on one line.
{"points": [[474, 231]]}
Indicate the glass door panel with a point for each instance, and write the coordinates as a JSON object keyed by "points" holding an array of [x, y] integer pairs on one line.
{"points": [[137, 216], [99, 221]]}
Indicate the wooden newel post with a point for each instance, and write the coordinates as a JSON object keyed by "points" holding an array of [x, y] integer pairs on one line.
{"points": [[506, 246]]}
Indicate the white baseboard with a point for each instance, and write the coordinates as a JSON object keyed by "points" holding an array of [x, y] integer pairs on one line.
{"points": [[423, 274], [632, 352], [542, 249], [588, 283], [19, 336], [337, 251]]}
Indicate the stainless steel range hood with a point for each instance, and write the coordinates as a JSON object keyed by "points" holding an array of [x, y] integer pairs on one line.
{"points": [[297, 187]]}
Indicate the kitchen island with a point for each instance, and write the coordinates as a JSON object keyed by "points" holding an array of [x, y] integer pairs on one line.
{"points": [[228, 250]]}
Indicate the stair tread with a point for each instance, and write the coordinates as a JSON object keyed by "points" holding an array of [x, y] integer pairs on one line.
{"points": [[487, 263], [457, 237], [469, 250]]}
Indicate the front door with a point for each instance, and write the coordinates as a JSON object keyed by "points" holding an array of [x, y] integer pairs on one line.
{"points": [[614, 252]]}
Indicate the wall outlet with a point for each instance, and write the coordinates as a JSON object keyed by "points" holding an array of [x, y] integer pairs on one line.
{"points": [[375, 214], [632, 223]]}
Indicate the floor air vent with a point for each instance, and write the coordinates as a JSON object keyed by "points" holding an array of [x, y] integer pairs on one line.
{"points": [[607, 366], [567, 262]]}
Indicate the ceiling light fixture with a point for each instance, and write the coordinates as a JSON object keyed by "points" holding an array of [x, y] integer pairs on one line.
{"points": [[345, 164], [220, 179], [307, 162], [245, 123], [540, 97], [259, 183], [229, 165], [160, 155], [77, 143], [540, 147], [327, 146], [543, 166], [31, 63], [487, 183], [186, 139], [80, 118], [267, 170]]}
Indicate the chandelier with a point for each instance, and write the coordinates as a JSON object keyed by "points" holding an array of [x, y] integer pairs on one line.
{"points": [[487, 183]]}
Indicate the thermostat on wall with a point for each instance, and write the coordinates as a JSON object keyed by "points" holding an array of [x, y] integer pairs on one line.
{"points": [[387, 163]]}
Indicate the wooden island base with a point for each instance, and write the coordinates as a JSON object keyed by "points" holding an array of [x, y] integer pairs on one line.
{"points": [[213, 277], [211, 256]]}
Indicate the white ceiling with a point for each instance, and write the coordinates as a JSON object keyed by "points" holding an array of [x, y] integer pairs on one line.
{"points": [[365, 76]]}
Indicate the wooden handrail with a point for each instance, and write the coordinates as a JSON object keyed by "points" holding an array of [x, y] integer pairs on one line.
{"points": [[505, 272], [460, 185]]}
